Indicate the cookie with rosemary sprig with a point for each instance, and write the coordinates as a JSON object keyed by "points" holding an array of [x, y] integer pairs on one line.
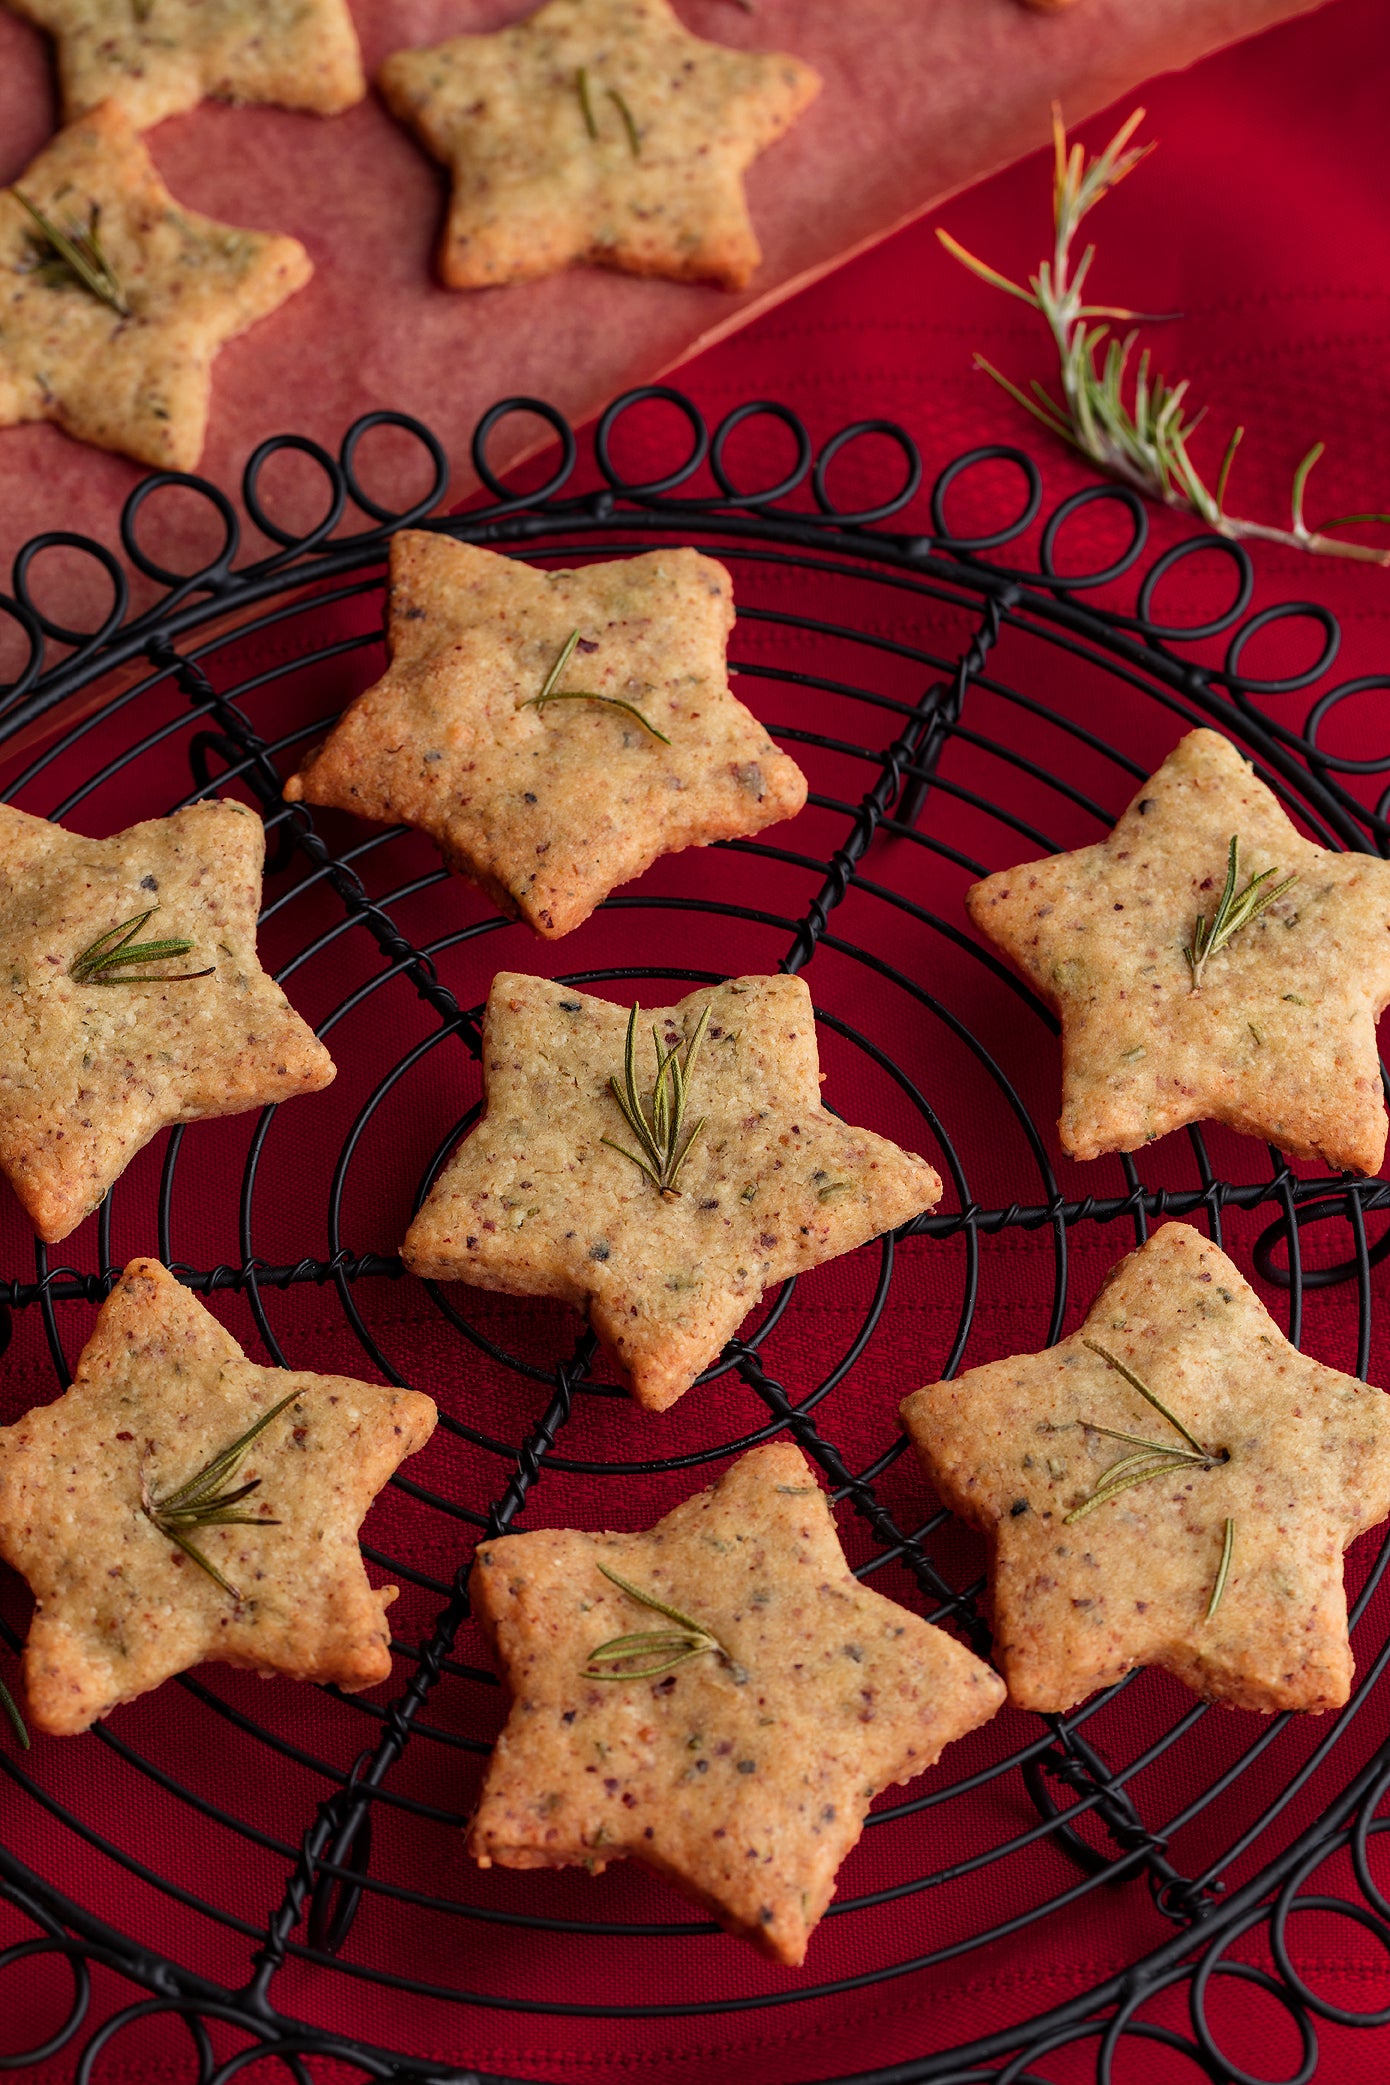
{"points": [[1172, 1485], [158, 57], [181, 1503], [658, 1168], [1207, 963], [114, 300], [599, 131], [718, 1698], [132, 998], [554, 732]]}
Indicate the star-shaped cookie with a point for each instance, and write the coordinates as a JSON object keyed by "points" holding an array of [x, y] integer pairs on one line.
{"points": [[93, 1065], [743, 1768], [1195, 1523], [156, 57], [554, 732], [596, 130], [1274, 1033], [161, 1391], [537, 1201], [127, 364]]}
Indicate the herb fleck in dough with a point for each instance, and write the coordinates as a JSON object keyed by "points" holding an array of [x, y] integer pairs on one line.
{"points": [[90, 1071], [547, 808], [596, 130], [157, 57], [744, 1781], [142, 384], [1278, 1040], [1013, 1449], [535, 1203], [160, 1389]]}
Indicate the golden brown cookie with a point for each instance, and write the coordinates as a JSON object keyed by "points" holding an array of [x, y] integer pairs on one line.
{"points": [[156, 57], [547, 804], [736, 1749], [93, 1064], [117, 349], [1206, 1537], [1272, 1032], [596, 130], [91, 1485], [537, 1201]]}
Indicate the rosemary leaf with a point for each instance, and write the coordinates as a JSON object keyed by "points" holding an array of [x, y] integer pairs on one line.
{"points": [[631, 1657], [581, 88], [550, 692], [661, 1153], [1222, 1568], [75, 258], [1137, 429], [198, 1503], [634, 141], [1144, 1391], [1232, 913], [106, 961]]}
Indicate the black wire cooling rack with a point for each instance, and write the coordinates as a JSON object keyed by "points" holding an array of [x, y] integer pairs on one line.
{"points": [[308, 1830]]}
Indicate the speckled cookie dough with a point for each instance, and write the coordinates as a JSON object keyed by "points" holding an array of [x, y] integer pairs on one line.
{"points": [[548, 808], [157, 57], [1278, 1040], [596, 130], [1224, 1568], [89, 1072], [534, 1202], [136, 375], [160, 1389], [743, 1774]]}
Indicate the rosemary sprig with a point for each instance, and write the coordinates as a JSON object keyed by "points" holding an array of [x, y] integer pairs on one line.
{"points": [[1232, 912], [1152, 1459], [661, 1151], [106, 961], [198, 1503], [1140, 440], [75, 257], [551, 693], [1228, 1544], [11, 1708], [586, 105], [629, 1657]]}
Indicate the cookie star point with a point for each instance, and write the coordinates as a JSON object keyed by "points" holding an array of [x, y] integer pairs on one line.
{"points": [[133, 374], [548, 791], [1275, 1035], [536, 1201], [160, 1389], [90, 1068], [156, 58], [1092, 1576], [596, 130], [744, 1779]]}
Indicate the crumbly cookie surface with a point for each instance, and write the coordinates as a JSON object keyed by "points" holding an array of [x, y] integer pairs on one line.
{"points": [[157, 57], [138, 381], [548, 808], [161, 1388], [743, 1779], [1013, 1448], [1278, 1040], [596, 130], [89, 1072], [535, 1203]]}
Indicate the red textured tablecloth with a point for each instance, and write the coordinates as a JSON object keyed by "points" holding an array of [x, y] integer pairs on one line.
{"points": [[1263, 221]]}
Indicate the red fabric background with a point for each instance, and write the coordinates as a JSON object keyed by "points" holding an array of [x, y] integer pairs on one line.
{"points": [[1262, 221]]}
